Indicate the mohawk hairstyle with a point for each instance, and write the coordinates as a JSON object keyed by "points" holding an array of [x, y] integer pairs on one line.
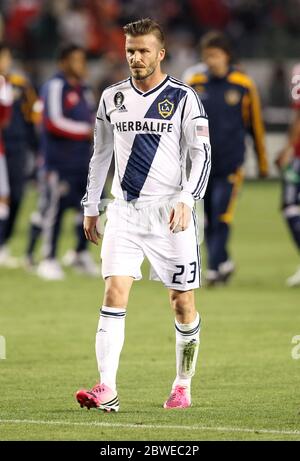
{"points": [[143, 27]]}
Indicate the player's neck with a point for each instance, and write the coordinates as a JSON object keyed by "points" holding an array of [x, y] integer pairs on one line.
{"points": [[73, 81], [150, 82], [71, 78], [221, 71]]}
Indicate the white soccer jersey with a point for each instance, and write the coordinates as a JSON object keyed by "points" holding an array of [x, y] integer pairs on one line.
{"points": [[150, 135]]}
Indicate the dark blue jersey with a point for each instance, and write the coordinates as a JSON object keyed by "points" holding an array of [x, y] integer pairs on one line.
{"points": [[20, 133], [68, 118], [233, 108]]}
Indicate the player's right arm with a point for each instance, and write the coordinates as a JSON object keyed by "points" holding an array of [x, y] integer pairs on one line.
{"points": [[6, 101], [98, 170], [286, 154]]}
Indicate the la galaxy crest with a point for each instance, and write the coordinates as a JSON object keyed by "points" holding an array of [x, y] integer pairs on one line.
{"points": [[165, 108], [232, 97]]}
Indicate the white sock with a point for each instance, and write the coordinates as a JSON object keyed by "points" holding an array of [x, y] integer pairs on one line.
{"points": [[109, 342], [187, 347]]}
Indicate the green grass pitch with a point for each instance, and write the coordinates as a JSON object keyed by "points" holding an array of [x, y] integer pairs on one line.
{"points": [[247, 383]]}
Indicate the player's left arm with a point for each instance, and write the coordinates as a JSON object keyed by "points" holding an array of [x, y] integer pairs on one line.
{"points": [[257, 130], [32, 109], [195, 132], [6, 101], [286, 154]]}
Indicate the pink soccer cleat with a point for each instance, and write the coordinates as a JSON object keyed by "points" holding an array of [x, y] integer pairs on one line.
{"points": [[179, 398], [101, 396]]}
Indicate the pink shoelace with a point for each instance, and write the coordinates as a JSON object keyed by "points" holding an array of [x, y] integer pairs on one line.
{"points": [[98, 388], [178, 390]]}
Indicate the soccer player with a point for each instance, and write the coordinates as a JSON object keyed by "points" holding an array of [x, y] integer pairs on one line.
{"points": [[67, 130], [150, 122], [232, 103], [19, 136], [289, 163], [6, 99]]}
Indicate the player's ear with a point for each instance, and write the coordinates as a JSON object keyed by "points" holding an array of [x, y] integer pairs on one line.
{"points": [[162, 54]]}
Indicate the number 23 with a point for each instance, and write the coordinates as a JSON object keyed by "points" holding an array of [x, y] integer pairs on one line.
{"points": [[182, 271]]}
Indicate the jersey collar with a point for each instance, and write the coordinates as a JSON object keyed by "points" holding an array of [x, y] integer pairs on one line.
{"points": [[214, 77], [153, 90]]}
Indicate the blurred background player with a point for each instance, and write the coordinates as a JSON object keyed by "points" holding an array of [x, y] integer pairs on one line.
{"points": [[5, 114], [67, 131], [19, 137], [289, 163], [232, 104]]}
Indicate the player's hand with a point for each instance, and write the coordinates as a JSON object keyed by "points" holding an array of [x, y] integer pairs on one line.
{"points": [[283, 158], [4, 207], [91, 135], [4, 199], [90, 229], [180, 218]]}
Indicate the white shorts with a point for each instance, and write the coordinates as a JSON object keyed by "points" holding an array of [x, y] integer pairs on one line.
{"points": [[131, 234]]}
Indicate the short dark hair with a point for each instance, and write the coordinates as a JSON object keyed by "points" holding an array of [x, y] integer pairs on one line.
{"points": [[65, 50], [143, 27], [216, 39]]}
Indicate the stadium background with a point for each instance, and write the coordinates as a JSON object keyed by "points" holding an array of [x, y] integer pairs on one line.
{"points": [[247, 378], [264, 34]]}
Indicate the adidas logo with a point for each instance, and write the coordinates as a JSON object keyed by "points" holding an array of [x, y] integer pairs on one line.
{"points": [[122, 108]]}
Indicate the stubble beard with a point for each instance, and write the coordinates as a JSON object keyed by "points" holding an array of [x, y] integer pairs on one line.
{"points": [[135, 73]]}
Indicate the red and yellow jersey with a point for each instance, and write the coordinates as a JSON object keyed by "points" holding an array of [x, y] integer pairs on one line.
{"points": [[295, 127], [295, 90], [6, 100]]}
